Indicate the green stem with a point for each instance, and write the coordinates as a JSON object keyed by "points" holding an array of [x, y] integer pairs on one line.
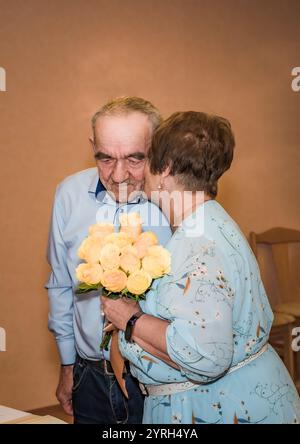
{"points": [[105, 341]]}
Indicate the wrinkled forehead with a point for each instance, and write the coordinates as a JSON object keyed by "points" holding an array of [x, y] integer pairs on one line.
{"points": [[123, 134]]}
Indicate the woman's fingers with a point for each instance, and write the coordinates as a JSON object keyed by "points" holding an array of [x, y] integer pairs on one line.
{"points": [[118, 311], [109, 327]]}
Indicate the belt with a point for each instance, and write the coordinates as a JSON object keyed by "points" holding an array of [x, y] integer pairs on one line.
{"points": [[103, 365], [177, 387]]}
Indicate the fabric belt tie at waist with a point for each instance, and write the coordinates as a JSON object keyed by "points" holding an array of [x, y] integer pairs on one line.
{"points": [[177, 387]]}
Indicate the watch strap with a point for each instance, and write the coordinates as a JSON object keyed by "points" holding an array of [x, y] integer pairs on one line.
{"points": [[131, 323]]}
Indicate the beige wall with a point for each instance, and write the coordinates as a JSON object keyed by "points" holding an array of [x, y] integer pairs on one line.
{"points": [[64, 58]]}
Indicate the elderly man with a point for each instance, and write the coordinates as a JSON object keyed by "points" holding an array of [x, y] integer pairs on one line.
{"points": [[122, 133]]}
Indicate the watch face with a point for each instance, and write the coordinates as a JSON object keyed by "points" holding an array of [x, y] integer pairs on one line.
{"points": [[132, 320]]}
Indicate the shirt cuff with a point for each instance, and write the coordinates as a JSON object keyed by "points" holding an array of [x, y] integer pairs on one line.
{"points": [[67, 352]]}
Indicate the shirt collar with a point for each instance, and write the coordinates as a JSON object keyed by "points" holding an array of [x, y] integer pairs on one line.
{"points": [[94, 183]]}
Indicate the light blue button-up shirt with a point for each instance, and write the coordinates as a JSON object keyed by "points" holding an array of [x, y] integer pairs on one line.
{"points": [[76, 320]]}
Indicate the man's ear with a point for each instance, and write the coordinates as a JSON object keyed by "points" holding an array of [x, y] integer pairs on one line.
{"points": [[92, 142]]}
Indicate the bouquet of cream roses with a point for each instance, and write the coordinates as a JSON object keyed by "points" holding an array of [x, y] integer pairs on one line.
{"points": [[123, 263]]}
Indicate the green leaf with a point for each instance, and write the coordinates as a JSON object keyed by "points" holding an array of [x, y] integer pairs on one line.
{"points": [[110, 294], [85, 288], [123, 294]]}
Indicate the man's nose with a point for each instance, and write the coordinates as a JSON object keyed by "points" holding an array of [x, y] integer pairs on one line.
{"points": [[120, 172]]}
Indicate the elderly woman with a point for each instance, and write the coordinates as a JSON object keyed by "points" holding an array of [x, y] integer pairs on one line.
{"points": [[199, 343]]}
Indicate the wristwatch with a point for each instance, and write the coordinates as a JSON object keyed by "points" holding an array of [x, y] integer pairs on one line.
{"points": [[131, 324]]}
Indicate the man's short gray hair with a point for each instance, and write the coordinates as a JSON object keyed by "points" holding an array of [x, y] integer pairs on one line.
{"points": [[126, 105]]}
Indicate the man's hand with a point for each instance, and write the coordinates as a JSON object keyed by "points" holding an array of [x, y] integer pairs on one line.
{"points": [[64, 389], [119, 311]]}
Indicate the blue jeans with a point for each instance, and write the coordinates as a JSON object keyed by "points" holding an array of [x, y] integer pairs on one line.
{"points": [[98, 399]]}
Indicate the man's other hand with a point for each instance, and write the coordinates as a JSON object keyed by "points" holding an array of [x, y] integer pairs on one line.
{"points": [[64, 389]]}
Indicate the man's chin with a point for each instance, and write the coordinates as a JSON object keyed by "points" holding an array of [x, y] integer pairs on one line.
{"points": [[125, 196]]}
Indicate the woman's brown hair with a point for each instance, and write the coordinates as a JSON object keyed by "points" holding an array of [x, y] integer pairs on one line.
{"points": [[197, 147]]}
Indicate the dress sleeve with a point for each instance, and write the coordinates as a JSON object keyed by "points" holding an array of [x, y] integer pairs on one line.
{"points": [[200, 336]]}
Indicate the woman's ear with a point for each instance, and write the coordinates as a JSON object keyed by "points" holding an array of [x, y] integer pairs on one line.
{"points": [[166, 172]]}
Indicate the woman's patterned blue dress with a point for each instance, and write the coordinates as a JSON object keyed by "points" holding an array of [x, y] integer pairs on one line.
{"points": [[219, 315]]}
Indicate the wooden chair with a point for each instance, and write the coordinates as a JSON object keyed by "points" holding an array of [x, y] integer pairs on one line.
{"points": [[281, 337], [287, 306]]}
